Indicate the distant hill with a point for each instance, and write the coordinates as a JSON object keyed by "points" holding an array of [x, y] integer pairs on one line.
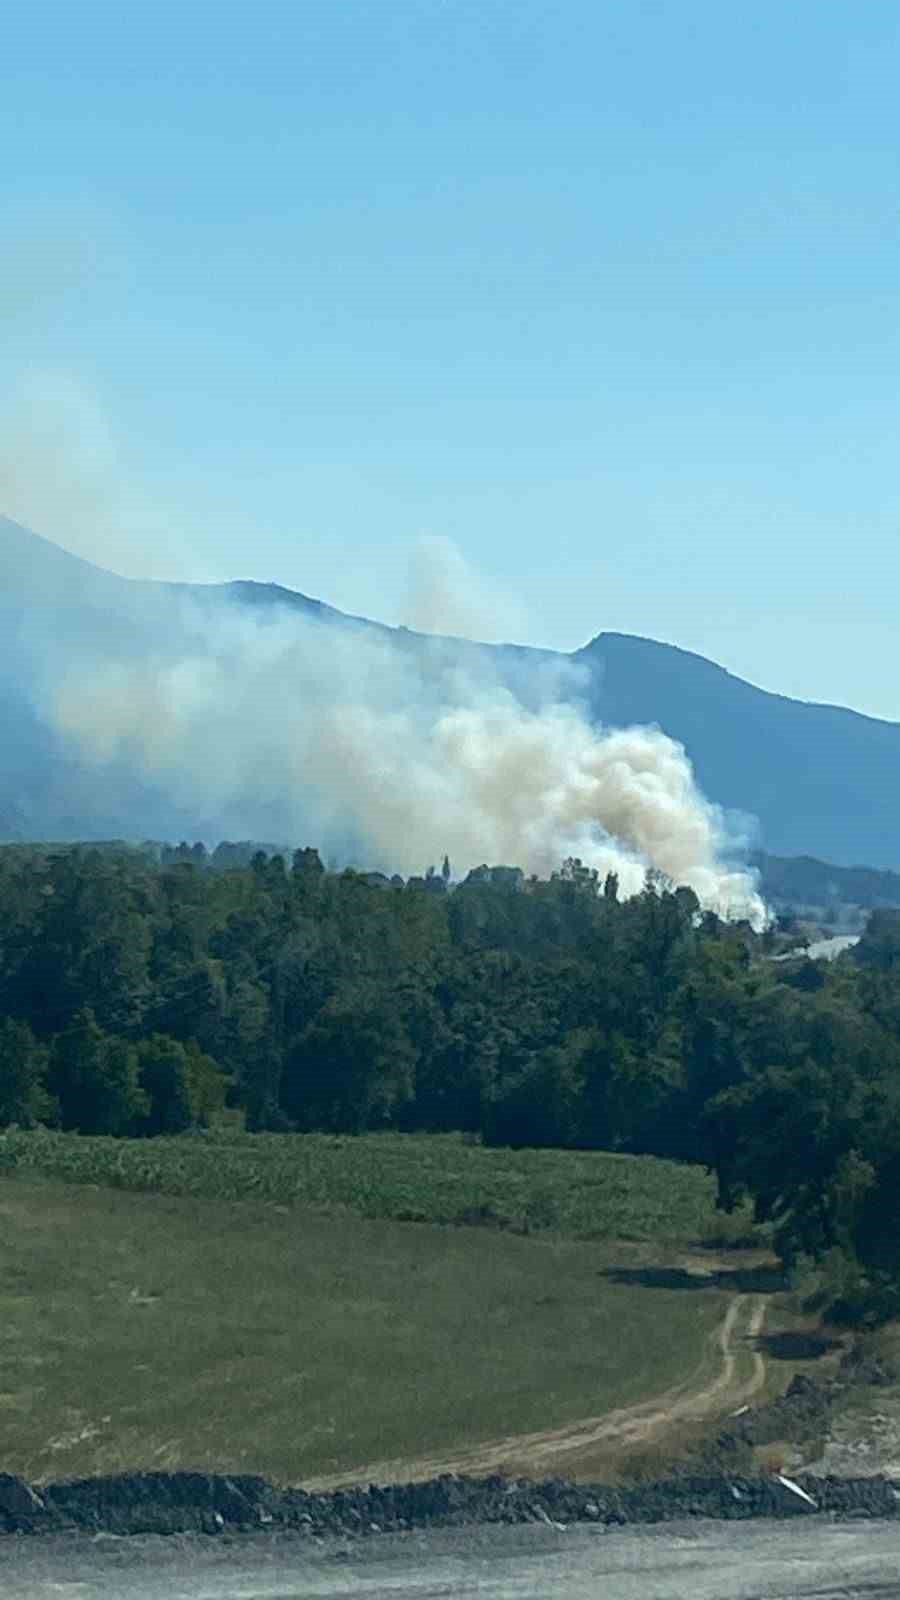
{"points": [[820, 780], [802, 882]]}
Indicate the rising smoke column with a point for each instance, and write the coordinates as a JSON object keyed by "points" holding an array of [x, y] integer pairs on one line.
{"points": [[289, 728]]}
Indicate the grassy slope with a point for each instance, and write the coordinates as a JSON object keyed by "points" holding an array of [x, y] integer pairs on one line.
{"points": [[162, 1330]]}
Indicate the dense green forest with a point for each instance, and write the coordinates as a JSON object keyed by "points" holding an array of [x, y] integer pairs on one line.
{"points": [[145, 992]]}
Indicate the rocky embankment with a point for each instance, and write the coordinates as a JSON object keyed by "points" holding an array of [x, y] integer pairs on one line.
{"points": [[175, 1502], [718, 1483], [802, 1418]]}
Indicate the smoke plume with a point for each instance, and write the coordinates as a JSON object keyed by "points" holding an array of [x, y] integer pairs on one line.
{"points": [[390, 750], [446, 595]]}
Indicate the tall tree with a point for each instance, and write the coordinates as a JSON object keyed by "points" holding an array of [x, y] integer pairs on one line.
{"points": [[94, 1077], [24, 1097]]}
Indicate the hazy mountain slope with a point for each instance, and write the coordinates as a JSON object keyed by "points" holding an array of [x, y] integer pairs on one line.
{"points": [[820, 780], [51, 602], [804, 881]]}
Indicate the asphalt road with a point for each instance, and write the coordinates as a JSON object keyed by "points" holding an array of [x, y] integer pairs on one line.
{"points": [[685, 1561]]}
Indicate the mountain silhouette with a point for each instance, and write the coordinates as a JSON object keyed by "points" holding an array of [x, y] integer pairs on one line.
{"points": [[815, 779]]}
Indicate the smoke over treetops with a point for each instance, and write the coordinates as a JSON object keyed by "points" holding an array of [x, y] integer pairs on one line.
{"points": [[387, 746]]}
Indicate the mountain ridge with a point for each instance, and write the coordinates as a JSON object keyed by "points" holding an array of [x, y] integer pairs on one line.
{"points": [[818, 778], [606, 635]]}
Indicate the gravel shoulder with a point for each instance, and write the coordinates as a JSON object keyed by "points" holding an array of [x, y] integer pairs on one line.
{"points": [[814, 1560]]}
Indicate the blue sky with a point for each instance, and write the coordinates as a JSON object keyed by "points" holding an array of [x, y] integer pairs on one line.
{"points": [[605, 294]]}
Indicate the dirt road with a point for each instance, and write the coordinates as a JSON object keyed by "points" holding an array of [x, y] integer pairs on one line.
{"points": [[739, 1374]]}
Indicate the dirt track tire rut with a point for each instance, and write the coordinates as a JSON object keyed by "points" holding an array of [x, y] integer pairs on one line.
{"points": [[553, 1449]]}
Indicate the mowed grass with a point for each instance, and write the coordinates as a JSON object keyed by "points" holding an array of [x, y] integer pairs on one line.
{"points": [[159, 1330], [421, 1178]]}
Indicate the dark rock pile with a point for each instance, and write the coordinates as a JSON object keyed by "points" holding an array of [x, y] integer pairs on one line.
{"points": [[801, 1416], [175, 1502]]}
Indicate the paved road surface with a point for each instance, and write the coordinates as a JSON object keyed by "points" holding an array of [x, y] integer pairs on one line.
{"points": [[696, 1561]]}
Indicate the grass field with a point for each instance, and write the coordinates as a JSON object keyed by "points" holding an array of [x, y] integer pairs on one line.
{"points": [[149, 1331], [426, 1178]]}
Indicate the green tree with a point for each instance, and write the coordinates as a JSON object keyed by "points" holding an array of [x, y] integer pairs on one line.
{"points": [[351, 1069], [879, 946], [163, 1077], [543, 1102], [94, 1077], [24, 1098], [207, 1085], [184, 1086], [796, 1128]]}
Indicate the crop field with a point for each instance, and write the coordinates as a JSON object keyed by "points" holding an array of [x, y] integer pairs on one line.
{"points": [[162, 1330], [400, 1177]]}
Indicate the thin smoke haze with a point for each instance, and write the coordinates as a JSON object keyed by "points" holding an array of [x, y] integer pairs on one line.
{"points": [[446, 595], [65, 471]]}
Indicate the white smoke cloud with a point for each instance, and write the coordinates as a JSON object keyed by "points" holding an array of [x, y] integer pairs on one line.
{"points": [[370, 744], [445, 595]]}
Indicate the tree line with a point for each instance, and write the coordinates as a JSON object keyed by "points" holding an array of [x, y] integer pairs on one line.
{"points": [[142, 994]]}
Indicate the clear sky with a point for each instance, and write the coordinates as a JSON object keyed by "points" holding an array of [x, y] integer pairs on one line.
{"points": [[606, 294]]}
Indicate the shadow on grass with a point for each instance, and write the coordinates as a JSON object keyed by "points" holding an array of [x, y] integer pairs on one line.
{"points": [[740, 1280], [796, 1346]]}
